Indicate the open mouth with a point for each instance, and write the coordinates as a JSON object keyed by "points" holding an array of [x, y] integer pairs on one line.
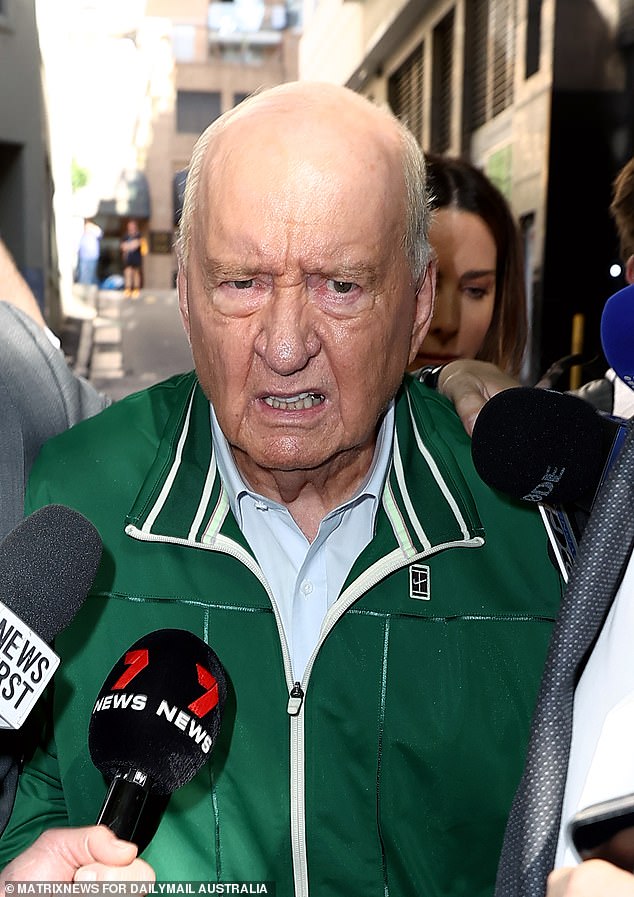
{"points": [[295, 403]]}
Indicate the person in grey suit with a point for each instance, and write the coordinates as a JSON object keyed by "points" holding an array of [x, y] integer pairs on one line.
{"points": [[39, 397], [39, 394]]}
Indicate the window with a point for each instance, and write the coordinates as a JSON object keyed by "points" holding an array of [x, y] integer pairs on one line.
{"points": [[405, 92], [441, 85], [489, 59], [195, 109], [183, 42], [502, 54], [533, 37]]}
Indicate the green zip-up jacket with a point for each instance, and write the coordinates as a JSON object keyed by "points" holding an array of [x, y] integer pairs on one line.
{"points": [[390, 770]]}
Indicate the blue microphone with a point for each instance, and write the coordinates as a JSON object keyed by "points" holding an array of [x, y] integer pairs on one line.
{"points": [[617, 334]]}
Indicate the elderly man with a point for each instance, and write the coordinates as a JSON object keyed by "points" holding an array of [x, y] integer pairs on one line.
{"points": [[314, 515]]}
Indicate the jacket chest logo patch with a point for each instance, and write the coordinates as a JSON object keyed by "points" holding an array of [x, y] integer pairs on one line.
{"points": [[419, 582]]}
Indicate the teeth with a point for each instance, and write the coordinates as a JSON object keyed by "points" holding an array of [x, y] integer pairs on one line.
{"points": [[295, 403]]}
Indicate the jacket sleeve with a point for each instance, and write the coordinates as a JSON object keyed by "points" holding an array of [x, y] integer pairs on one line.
{"points": [[39, 803]]}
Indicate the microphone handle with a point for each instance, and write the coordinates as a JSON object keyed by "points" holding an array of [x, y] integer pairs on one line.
{"points": [[123, 806]]}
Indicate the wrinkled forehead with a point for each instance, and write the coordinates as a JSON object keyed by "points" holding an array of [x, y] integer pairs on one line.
{"points": [[304, 163]]}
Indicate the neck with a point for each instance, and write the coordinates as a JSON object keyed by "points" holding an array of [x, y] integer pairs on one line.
{"points": [[310, 494]]}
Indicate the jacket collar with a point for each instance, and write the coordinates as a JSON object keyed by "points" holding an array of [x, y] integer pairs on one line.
{"points": [[426, 502]]}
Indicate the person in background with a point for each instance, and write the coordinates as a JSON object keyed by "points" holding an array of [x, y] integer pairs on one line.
{"points": [[603, 720], [470, 385], [609, 393], [313, 512], [131, 259], [599, 764], [40, 397], [480, 308], [88, 254]]}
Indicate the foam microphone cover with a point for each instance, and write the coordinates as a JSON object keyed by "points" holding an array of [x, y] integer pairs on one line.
{"points": [[617, 333], [47, 565], [532, 443], [159, 710]]}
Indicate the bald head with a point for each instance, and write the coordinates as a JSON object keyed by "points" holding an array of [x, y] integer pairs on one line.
{"points": [[320, 135]]}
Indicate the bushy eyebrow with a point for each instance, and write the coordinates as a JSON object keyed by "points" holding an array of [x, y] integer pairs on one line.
{"points": [[215, 271], [365, 275], [485, 272]]}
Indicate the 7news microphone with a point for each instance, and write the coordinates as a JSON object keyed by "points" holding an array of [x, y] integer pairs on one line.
{"points": [[153, 726]]}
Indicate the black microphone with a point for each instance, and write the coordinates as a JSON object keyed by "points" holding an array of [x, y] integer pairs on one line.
{"points": [[543, 446], [47, 564], [153, 726], [551, 449]]}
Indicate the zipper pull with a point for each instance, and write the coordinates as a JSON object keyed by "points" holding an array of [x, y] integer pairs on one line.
{"points": [[295, 700]]}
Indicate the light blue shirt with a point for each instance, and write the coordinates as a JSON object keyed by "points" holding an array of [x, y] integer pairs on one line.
{"points": [[305, 578]]}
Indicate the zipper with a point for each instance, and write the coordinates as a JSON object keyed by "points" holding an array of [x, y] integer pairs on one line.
{"points": [[295, 700], [295, 709]]}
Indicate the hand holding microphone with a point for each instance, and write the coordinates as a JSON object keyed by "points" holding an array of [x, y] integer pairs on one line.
{"points": [[91, 853], [154, 724]]}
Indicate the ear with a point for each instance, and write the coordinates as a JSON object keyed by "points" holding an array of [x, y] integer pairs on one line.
{"points": [[629, 269], [424, 309], [183, 299]]}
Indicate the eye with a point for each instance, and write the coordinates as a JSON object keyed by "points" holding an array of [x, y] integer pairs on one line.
{"points": [[341, 286], [476, 292], [242, 284]]}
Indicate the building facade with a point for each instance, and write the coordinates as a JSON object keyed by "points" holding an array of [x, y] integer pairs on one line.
{"points": [[25, 176], [538, 93], [201, 59]]}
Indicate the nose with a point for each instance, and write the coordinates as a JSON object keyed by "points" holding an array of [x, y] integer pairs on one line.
{"points": [[446, 319], [287, 339]]}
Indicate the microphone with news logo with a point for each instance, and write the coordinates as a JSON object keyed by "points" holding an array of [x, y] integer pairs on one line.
{"points": [[47, 566], [154, 725]]}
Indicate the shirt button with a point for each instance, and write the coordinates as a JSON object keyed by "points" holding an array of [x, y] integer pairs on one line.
{"points": [[306, 587]]}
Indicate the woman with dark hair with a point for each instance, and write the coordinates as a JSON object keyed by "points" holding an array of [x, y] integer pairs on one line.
{"points": [[480, 309]]}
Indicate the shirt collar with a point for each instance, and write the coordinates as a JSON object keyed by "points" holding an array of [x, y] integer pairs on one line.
{"points": [[237, 489]]}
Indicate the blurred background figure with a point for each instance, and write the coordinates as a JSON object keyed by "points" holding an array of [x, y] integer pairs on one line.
{"points": [[131, 259], [88, 254], [480, 309], [39, 394], [609, 393]]}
